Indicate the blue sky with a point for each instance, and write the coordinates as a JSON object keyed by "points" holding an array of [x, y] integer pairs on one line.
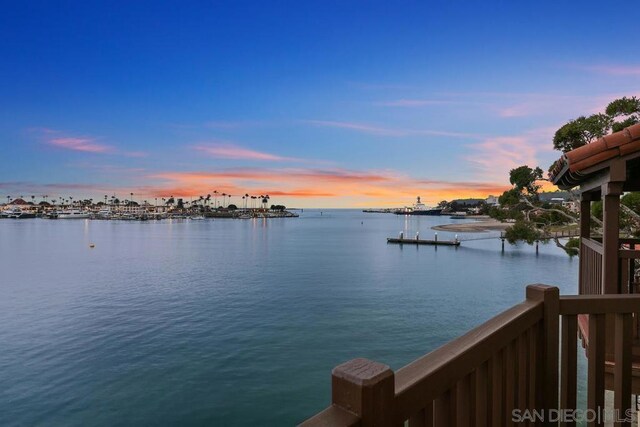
{"points": [[329, 104]]}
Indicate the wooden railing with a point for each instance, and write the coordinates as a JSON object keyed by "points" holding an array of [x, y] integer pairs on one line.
{"points": [[590, 281], [512, 362]]}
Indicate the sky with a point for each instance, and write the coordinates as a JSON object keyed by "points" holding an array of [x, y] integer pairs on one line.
{"points": [[316, 103]]}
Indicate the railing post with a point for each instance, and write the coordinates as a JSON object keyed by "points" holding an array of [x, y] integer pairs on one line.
{"points": [[610, 236], [548, 353], [365, 388], [585, 233]]}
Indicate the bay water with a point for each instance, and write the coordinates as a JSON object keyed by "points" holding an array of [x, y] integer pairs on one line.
{"points": [[233, 322]]}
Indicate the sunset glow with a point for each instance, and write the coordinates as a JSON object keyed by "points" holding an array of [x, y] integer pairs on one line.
{"points": [[316, 114]]}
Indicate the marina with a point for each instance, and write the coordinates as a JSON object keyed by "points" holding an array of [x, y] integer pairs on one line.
{"points": [[132, 211]]}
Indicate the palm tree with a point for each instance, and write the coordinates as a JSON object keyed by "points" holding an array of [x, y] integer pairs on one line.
{"points": [[215, 199], [224, 195]]}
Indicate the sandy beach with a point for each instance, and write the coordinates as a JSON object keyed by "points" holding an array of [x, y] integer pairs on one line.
{"points": [[481, 223]]}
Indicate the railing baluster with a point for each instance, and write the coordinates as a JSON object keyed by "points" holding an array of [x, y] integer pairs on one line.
{"points": [[523, 377], [510, 380], [424, 418], [497, 416], [569, 364], [444, 409], [463, 403], [481, 392], [622, 370], [596, 352], [533, 363]]}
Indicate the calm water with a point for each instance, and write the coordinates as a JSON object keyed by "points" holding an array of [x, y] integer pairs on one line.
{"points": [[232, 322]]}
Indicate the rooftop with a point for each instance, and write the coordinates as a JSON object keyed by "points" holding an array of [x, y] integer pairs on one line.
{"points": [[573, 167]]}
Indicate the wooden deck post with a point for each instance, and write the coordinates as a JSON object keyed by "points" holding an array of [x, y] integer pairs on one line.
{"points": [[365, 388], [585, 233], [622, 369], [610, 236], [548, 354]]}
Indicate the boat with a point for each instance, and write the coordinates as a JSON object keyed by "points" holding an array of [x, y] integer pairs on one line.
{"points": [[197, 217], [104, 213], [74, 214], [418, 208], [17, 213], [458, 215]]}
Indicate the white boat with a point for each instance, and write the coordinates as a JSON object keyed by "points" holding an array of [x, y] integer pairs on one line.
{"points": [[418, 208], [105, 213], [74, 214], [458, 215], [198, 217], [17, 213]]}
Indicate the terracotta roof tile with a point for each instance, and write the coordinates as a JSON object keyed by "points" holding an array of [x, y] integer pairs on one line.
{"points": [[586, 151], [594, 160], [630, 148], [617, 139], [567, 169]]}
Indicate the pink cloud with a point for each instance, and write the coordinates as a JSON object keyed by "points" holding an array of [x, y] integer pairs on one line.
{"points": [[493, 158], [80, 144], [231, 151], [84, 144]]}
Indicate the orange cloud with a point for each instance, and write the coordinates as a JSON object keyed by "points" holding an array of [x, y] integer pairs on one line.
{"points": [[340, 185]]}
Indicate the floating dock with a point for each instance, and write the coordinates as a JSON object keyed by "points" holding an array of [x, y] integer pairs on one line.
{"points": [[424, 242]]}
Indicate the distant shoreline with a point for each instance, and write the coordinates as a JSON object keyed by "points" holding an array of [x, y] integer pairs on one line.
{"points": [[483, 223]]}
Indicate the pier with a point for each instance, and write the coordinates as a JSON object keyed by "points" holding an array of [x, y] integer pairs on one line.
{"points": [[423, 242]]}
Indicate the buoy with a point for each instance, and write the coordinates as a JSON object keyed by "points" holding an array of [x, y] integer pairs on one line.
{"points": [[92, 246]]}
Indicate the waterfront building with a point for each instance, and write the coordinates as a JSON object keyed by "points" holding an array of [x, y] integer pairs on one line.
{"points": [[492, 201]]}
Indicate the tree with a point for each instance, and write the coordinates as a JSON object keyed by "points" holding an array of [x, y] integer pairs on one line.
{"points": [[619, 114], [581, 131], [632, 201], [522, 230], [626, 108], [509, 198], [524, 178]]}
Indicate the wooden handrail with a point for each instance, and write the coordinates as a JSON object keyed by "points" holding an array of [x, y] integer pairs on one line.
{"points": [[629, 253], [431, 375], [333, 416], [599, 304], [592, 244]]}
